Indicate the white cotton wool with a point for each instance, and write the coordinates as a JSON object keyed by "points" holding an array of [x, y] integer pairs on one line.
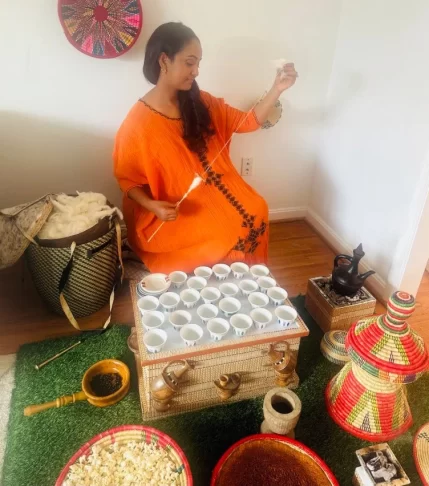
{"points": [[278, 64], [74, 214]]}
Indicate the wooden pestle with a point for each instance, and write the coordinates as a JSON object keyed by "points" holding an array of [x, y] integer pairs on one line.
{"points": [[58, 402]]}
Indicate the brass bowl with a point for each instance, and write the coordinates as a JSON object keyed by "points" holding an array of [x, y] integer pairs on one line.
{"points": [[103, 367]]}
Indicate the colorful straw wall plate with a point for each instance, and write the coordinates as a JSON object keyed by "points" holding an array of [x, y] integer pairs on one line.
{"points": [[101, 28], [421, 453]]}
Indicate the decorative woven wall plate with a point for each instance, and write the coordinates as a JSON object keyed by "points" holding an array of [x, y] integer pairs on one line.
{"points": [[101, 28]]}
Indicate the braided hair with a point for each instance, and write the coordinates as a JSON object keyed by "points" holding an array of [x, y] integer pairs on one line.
{"points": [[170, 38]]}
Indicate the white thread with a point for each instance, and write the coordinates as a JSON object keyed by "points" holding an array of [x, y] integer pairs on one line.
{"points": [[193, 183]]}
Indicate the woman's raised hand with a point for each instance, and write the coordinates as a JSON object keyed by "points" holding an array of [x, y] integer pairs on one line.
{"points": [[286, 77]]}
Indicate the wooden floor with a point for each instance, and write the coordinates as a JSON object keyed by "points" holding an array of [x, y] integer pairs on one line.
{"points": [[296, 254]]}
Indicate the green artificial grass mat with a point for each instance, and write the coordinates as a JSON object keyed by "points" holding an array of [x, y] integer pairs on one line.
{"points": [[38, 447]]}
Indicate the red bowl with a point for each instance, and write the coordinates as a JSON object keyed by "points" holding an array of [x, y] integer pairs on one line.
{"points": [[295, 445]]}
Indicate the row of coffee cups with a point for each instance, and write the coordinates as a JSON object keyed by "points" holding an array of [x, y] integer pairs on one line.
{"points": [[210, 295], [221, 271], [181, 320]]}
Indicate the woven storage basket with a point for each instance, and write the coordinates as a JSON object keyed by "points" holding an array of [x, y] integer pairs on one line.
{"points": [[333, 348], [421, 453], [127, 433], [367, 407], [248, 357], [330, 316], [77, 274]]}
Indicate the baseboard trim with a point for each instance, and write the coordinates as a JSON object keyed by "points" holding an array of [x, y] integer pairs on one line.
{"points": [[286, 214], [375, 283]]}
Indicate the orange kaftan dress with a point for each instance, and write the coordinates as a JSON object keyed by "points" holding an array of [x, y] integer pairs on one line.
{"points": [[222, 220]]}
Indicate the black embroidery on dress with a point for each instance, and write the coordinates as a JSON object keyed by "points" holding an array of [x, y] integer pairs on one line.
{"points": [[250, 243]]}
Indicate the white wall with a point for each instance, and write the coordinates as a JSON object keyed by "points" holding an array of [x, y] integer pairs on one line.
{"points": [[370, 180], [59, 109]]}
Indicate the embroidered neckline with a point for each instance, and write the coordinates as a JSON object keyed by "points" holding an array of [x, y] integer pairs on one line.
{"points": [[158, 112]]}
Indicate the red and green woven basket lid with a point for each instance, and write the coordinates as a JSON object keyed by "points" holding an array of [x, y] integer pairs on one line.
{"points": [[101, 28], [386, 346]]}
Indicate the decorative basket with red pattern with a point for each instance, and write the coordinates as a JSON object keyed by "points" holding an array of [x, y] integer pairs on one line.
{"points": [[368, 398], [127, 433], [101, 28]]}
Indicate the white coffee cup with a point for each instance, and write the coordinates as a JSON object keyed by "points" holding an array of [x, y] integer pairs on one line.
{"points": [[277, 295], [148, 303], [228, 289], [239, 269], [206, 312], [265, 283], [197, 283], [154, 340], [259, 271], [191, 334], [218, 328], [179, 318], [241, 323], [248, 286], [204, 272], [153, 320], [229, 306], [221, 271], [210, 295], [178, 279], [169, 301], [261, 317], [286, 315], [190, 297], [258, 299]]}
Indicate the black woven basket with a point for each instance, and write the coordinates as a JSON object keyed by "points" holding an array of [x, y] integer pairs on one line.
{"points": [[80, 270]]}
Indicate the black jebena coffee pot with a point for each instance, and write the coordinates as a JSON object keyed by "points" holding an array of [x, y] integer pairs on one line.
{"points": [[346, 279]]}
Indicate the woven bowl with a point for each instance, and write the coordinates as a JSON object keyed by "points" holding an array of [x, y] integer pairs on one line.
{"points": [[127, 433], [421, 453], [287, 451]]}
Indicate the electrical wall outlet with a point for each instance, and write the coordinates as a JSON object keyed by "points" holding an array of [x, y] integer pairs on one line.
{"points": [[246, 166]]}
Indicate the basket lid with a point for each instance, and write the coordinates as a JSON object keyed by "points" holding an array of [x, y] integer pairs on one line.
{"points": [[333, 347], [386, 346]]}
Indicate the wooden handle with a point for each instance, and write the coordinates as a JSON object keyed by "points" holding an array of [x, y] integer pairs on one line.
{"points": [[59, 402]]}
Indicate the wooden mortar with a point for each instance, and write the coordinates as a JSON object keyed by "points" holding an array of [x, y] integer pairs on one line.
{"points": [[101, 367]]}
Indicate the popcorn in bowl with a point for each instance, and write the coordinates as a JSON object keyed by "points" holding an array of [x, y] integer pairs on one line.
{"points": [[128, 456]]}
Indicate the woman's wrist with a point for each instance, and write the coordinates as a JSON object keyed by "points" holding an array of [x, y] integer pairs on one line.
{"points": [[275, 92], [149, 205]]}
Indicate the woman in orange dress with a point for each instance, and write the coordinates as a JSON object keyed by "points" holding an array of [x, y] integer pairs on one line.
{"points": [[172, 134]]}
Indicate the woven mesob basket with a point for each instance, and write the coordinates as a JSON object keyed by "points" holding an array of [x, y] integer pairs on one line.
{"points": [[76, 275], [139, 433]]}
